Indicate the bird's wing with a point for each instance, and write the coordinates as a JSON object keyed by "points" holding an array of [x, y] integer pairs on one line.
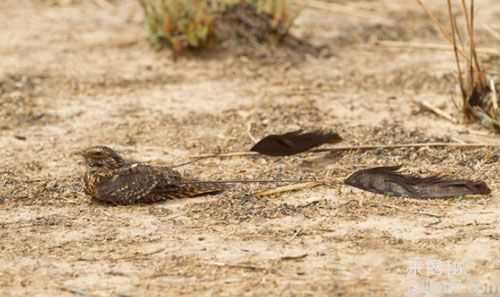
{"points": [[128, 185], [169, 174]]}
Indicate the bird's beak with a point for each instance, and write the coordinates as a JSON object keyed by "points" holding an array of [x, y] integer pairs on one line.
{"points": [[80, 153]]}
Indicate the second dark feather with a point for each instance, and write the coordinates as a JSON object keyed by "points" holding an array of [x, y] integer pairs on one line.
{"points": [[293, 142], [387, 180]]}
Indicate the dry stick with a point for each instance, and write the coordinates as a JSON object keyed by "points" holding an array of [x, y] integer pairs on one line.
{"points": [[286, 258], [468, 23], [412, 212], [437, 111], [245, 181], [470, 62], [103, 4], [454, 102], [470, 35], [241, 266], [74, 291], [457, 140], [295, 234], [186, 163], [443, 32], [457, 58], [288, 188], [494, 96], [430, 46], [361, 147], [438, 221], [469, 16], [234, 154], [492, 31], [139, 256], [481, 73], [249, 132], [461, 41], [333, 7]]}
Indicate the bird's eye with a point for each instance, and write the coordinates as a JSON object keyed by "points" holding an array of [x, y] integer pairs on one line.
{"points": [[94, 164]]}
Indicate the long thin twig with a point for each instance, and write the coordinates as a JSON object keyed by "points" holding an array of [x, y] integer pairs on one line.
{"points": [[493, 32], [240, 266], [442, 30], [298, 257], [186, 163], [361, 147], [340, 8], [103, 4], [494, 95], [244, 181], [473, 48], [249, 132], [430, 46], [411, 212], [437, 111], [136, 256], [457, 58], [288, 188], [74, 291]]}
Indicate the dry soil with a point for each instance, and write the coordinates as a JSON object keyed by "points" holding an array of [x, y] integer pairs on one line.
{"points": [[81, 73]]}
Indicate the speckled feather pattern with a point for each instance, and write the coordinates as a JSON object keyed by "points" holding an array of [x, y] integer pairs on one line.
{"points": [[112, 179]]}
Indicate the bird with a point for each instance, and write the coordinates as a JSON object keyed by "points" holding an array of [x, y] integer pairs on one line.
{"points": [[110, 178]]}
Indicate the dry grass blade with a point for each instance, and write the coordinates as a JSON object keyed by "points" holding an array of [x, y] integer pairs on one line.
{"points": [[444, 33], [104, 4], [433, 215], [442, 30], [298, 257], [494, 97], [430, 46], [455, 50], [340, 8], [493, 32], [436, 110], [239, 266], [288, 188]]}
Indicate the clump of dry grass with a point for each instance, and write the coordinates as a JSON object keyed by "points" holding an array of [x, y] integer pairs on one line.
{"points": [[281, 11], [179, 23], [189, 24], [479, 96]]}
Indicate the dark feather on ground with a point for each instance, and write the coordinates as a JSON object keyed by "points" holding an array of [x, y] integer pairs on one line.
{"points": [[387, 180], [293, 142]]}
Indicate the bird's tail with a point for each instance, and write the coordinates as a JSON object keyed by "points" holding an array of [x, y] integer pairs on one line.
{"points": [[196, 188], [193, 188], [183, 189]]}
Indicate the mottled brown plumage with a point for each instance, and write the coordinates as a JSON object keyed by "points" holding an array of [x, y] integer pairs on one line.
{"points": [[112, 179]]}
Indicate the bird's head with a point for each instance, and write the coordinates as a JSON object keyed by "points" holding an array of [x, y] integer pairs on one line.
{"points": [[101, 157]]}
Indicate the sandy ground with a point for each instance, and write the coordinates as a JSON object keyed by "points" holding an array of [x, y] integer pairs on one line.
{"points": [[78, 74]]}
